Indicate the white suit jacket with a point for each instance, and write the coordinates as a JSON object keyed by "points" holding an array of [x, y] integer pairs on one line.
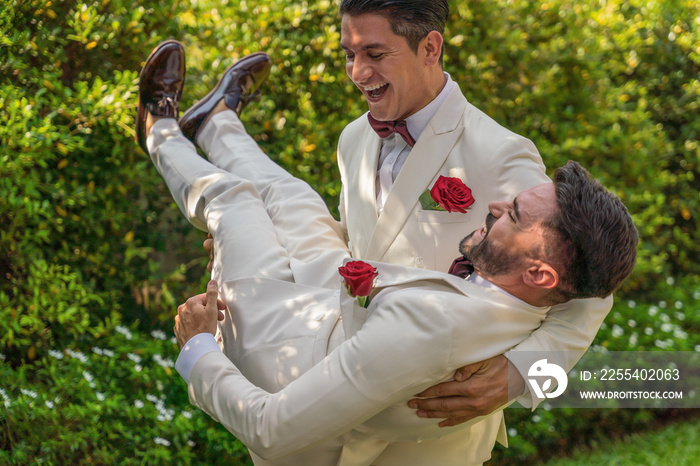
{"points": [[419, 328], [496, 164]]}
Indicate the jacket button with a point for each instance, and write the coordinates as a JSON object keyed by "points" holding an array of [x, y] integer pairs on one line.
{"points": [[419, 261]]}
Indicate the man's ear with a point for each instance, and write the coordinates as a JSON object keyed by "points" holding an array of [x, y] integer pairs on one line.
{"points": [[432, 45], [541, 275]]}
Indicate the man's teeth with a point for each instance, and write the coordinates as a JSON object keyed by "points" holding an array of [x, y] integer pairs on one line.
{"points": [[375, 87], [486, 229]]}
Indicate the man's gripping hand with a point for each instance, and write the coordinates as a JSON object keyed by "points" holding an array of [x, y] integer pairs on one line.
{"points": [[199, 315], [478, 389]]}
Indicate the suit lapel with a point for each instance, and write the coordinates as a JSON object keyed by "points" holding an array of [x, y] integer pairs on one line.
{"points": [[422, 166], [363, 173]]}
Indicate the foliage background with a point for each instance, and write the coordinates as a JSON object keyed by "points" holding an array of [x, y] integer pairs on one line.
{"points": [[93, 250]]}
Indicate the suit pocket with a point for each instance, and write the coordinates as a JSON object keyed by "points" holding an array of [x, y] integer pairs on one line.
{"points": [[359, 316]]}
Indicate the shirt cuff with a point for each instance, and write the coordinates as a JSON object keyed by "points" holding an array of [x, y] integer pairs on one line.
{"points": [[527, 398], [195, 348]]}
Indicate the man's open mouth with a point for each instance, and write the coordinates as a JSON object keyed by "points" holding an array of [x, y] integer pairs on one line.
{"points": [[376, 91]]}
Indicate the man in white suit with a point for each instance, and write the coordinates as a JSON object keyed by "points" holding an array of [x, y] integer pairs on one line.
{"points": [[394, 56], [307, 376]]}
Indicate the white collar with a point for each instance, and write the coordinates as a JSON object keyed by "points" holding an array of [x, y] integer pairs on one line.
{"points": [[417, 122]]}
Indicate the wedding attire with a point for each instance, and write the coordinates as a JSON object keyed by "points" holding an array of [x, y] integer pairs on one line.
{"points": [[305, 375], [383, 220]]}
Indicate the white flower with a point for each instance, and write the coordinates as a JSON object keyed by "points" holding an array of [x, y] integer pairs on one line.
{"points": [[512, 432], [662, 304], [88, 376], [648, 331], [2, 357], [49, 404], [5, 398], [134, 357], [670, 281], [631, 323], [139, 404], [697, 348], [680, 334], [30, 393], [163, 362], [138, 368], [191, 443], [666, 327], [124, 331], [97, 350], [653, 310], [617, 331], [631, 304], [187, 414], [100, 396], [77, 355], [678, 305], [159, 334], [633, 339], [56, 354], [161, 441]]}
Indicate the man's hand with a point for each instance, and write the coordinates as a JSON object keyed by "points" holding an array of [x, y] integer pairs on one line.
{"points": [[209, 247], [478, 390], [199, 315]]}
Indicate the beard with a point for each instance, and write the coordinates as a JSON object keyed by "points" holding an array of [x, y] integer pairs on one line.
{"points": [[488, 261]]}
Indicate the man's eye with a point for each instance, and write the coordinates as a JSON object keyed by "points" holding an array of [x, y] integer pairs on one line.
{"points": [[375, 56]]}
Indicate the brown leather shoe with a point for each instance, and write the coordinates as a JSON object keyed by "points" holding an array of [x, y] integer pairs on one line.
{"points": [[160, 85], [238, 86]]}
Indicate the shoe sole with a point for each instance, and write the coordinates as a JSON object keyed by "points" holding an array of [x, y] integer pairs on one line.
{"points": [[199, 121]]}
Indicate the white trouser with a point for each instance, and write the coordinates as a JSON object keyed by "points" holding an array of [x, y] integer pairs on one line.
{"points": [[265, 222]]}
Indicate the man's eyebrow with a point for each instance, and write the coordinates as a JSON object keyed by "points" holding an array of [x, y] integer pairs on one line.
{"points": [[375, 45]]}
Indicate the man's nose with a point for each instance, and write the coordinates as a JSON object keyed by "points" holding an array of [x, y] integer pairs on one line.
{"points": [[360, 71], [497, 208]]}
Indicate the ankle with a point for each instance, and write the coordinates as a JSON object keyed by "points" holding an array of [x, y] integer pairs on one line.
{"points": [[150, 121]]}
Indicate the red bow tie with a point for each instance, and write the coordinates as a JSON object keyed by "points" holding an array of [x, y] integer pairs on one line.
{"points": [[385, 128]]}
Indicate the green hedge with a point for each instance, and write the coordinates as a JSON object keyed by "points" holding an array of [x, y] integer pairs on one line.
{"points": [[89, 238]]}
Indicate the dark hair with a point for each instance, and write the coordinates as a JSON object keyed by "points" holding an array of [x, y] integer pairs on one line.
{"points": [[597, 240], [412, 19]]}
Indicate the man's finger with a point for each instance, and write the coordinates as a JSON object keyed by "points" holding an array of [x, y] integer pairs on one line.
{"points": [[209, 246], [212, 298], [442, 389], [443, 407], [463, 373]]}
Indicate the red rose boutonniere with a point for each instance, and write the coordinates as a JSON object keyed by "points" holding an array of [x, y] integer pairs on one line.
{"points": [[359, 278], [449, 194]]}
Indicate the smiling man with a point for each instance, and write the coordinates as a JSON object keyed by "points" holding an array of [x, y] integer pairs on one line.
{"points": [[420, 127]]}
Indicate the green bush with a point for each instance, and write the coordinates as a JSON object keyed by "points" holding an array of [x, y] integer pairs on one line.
{"points": [[90, 238], [116, 402]]}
